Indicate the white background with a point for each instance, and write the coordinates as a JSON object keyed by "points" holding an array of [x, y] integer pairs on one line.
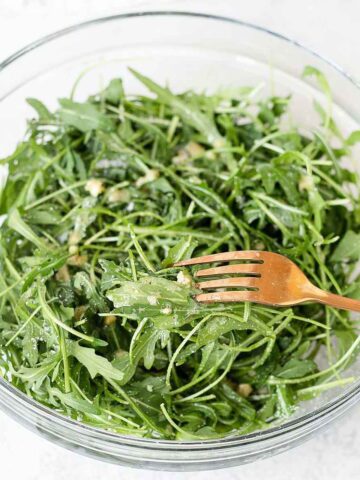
{"points": [[329, 26]]}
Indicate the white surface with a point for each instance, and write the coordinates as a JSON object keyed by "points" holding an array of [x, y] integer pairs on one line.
{"points": [[329, 26]]}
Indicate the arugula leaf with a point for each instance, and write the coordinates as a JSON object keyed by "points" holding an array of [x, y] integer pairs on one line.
{"points": [[348, 248], [45, 269], [94, 363], [181, 251], [285, 401], [16, 223], [123, 363], [219, 325], [296, 368], [151, 293], [309, 70], [243, 406], [83, 116], [42, 111], [83, 283], [77, 404], [190, 114], [113, 274], [353, 138], [35, 376], [114, 92]]}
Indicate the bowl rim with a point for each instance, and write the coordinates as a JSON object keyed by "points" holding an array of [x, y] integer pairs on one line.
{"points": [[348, 397]]}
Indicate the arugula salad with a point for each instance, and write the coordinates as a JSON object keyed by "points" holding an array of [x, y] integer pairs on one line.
{"points": [[103, 196]]}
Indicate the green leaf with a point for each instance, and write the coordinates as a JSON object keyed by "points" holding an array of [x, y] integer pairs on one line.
{"points": [[286, 176], [181, 251], [219, 325], [55, 319], [83, 116], [94, 363], [35, 376], [43, 216], [345, 339], [15, 222], [125, 366], [243, 406], [353, 138], [83, 284], [189, 113], [328, 122], [114, 92], [267, 411], [45, 269], [152, 294], [310, 71], [30, 343], [113, 274], [324, 117], [74, 402], [285, 401], [145, 347], [151, 390], [43, 113], [296, 368], [348, 248]]}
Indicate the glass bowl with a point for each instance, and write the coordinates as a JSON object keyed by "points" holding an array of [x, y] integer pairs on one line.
{"points": [[185, 50]]}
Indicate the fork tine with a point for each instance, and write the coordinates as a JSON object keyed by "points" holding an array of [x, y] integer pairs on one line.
{"points": [[230, 296], [246, 268], [245, 282], [221, 257]]}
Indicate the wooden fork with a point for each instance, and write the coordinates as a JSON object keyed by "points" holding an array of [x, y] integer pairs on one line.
{"points": [[270, 279]]}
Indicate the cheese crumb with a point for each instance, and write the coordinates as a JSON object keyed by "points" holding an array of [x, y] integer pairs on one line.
{"points": [[74, 238], [73, 249], [166, 311], [184, 278], [195, 180], [120, 353], [210, 154], [77, 260], [152, 299], [118, 196], [259, 245], [181, 157], [219, 143], [109, 320], [94, 186], [79, 312], [150, 176], [244, 389], [306, 183], [192, 149], [63, 275]]}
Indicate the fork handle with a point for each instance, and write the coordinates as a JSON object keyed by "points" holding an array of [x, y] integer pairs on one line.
{"points": [[334, 300]]}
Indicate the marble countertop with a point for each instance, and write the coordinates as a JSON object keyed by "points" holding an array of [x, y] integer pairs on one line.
{"points": [[329, 26]]}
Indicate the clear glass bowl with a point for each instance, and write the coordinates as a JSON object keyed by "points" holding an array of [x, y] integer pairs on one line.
{"points": [[185, 50]]}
